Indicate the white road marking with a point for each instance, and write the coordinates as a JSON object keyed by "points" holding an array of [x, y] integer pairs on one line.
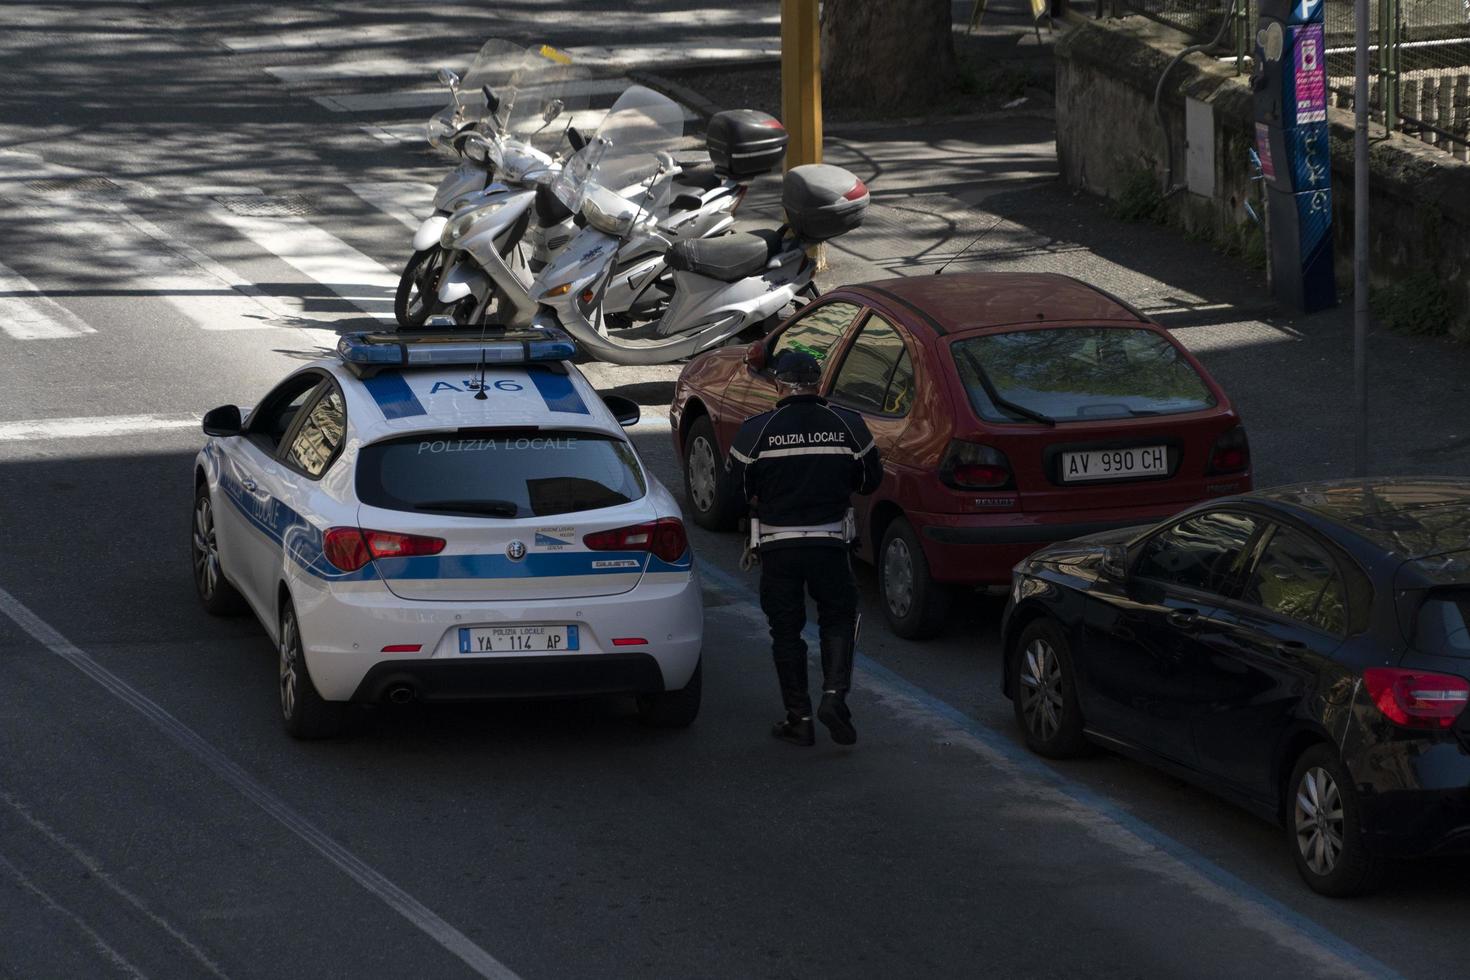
{"points": [[26, 313], [712, 49], [117, 959], [586, 120], [373, 881], [373, 68], [92, 427], [137, 255], [323, 257], [408, 201], [101, 875]]}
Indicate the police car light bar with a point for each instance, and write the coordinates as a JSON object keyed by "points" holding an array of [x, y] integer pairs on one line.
{"points": [[366, 354]]}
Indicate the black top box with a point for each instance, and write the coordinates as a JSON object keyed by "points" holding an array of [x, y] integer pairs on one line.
{"points": [[744, 143], [823, 201]]}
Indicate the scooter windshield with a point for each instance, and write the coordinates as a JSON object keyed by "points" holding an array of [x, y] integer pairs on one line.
{"points": [[623, 153], [545, 95]]}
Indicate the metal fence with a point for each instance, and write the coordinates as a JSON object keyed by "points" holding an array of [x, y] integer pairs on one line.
{"points": [[1419, 57]]}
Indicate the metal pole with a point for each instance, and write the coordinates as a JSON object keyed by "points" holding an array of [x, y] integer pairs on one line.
{"points": [[801, 81], [1360, 238]]}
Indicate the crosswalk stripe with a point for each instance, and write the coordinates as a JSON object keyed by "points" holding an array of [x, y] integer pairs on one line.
{"points": [[375, 68], [665, 55], [322, 257], [410, 202], [26, 313], [85, 428], [585, 120]]}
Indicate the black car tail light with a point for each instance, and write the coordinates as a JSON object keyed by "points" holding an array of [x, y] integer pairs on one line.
{"points": [[971, 466], [1232, 452], [1417, 698]]}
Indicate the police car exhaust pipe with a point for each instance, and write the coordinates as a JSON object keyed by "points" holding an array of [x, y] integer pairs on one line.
{"points": [[400, 694]]}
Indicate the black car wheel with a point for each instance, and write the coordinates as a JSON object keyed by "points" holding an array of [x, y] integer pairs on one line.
{"points": [[418, 288], [673, 709], [1045, 692], [1324, 824], [712, 503], [304, 711], [913, 603], [216, 594]]}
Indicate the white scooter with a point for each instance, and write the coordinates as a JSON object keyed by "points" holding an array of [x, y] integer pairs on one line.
{"points": [[722, 286], [501, 131], [693, 204]]}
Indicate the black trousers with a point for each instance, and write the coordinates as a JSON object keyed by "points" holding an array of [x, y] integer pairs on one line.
{"points": [[788, 574]]}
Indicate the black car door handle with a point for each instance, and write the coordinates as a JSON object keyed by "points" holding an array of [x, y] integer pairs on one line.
{"points": [[1185, 619], [1291, 649]]}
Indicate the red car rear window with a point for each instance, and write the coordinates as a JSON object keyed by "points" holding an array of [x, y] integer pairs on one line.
{"points": [[1070, 374]]}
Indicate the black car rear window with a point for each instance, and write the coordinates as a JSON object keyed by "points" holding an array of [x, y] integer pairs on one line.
{"points": [[1078, 373], [499, 473], [1443, 624]]}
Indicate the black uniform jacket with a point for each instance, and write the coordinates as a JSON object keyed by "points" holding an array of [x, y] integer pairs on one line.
{"points": [[802, 462]]}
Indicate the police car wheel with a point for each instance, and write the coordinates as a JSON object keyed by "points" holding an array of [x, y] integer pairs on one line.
{"points": [[913, 603], [216, 594], [705, 487], [673, 709], [416, 298], [305, 713]]}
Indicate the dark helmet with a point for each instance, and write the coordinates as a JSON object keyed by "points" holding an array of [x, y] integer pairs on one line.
{"points": [[796, 367]]}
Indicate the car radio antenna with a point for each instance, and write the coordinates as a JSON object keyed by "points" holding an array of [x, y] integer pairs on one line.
{"points": [[480, 386], [973, 242]]}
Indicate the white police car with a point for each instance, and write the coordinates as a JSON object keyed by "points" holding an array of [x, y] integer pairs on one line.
{"points": [[439, 519]]}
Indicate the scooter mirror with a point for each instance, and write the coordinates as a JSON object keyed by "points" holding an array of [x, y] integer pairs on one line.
{"points": [[492, 101], [552, 110], [755, 357], [447, 77]]}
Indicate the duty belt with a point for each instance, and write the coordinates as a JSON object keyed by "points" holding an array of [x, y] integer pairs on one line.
{"points": [[842, 530]]}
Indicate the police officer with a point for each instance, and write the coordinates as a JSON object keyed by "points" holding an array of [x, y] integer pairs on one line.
{"points": [[798, 466]]}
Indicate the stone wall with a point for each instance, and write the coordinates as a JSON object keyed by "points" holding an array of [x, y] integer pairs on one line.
{"points": [[1107, 132]]}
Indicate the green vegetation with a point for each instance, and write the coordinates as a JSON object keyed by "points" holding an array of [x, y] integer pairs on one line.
{"points": [[1140, 199], [1417, 304]]}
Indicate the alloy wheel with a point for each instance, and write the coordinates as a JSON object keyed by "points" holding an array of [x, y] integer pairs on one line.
{"points": [[1041, 689], [702, 475], [290, 661], [898, 577], [1318, 820], [206, 548]]}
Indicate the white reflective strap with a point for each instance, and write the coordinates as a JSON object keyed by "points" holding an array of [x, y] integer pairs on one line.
{"points": [[791, 535], [741, 456], [807, 451], [866, 449]]}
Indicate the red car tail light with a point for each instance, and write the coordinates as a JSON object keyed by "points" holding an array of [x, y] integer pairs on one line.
{"points": [[1232, 452], [664, 538], [1417, 698], [350, 548], [971, 466]]}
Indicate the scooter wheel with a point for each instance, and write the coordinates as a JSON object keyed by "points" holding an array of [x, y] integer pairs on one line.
{"points": [[418, 288]]}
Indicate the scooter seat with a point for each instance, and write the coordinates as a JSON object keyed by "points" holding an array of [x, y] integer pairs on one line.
{"points": [[702, 177], [728, 258]]}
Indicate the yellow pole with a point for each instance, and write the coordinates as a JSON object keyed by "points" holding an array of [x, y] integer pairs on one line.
{"points": [[801, 81]]}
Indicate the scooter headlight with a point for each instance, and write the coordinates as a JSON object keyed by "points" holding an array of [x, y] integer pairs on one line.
{"points": [[439, 131], [459, 226], [609, 213]]}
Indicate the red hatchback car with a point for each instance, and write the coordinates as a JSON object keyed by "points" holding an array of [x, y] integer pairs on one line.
{"points": [[1011, 409]]}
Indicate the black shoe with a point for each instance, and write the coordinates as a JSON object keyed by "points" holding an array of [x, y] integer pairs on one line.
{"points": [[795, 729], [834, 714]]}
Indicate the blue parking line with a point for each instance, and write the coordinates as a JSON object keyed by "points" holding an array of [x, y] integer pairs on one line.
{"points": [[1020, 757]]}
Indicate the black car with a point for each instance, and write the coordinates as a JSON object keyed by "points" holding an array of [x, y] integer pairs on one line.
{"points": [[1301, 651]]}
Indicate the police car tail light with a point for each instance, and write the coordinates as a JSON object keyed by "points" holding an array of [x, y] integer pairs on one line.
{"points": [[350, 548], [664, 538], [971, 466]]}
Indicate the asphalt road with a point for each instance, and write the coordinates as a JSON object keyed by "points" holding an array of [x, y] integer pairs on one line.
{"points": [[155, 821]]}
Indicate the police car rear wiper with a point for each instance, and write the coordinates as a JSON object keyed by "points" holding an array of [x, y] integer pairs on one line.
{"points": [[497, 508]]}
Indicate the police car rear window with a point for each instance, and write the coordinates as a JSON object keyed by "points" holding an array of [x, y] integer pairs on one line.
{"points": [[499, 473]]}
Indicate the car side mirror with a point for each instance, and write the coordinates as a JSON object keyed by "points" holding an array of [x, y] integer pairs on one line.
{"points": [[222, 421], [755, 357], [625, 410], [1114, 564]]}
